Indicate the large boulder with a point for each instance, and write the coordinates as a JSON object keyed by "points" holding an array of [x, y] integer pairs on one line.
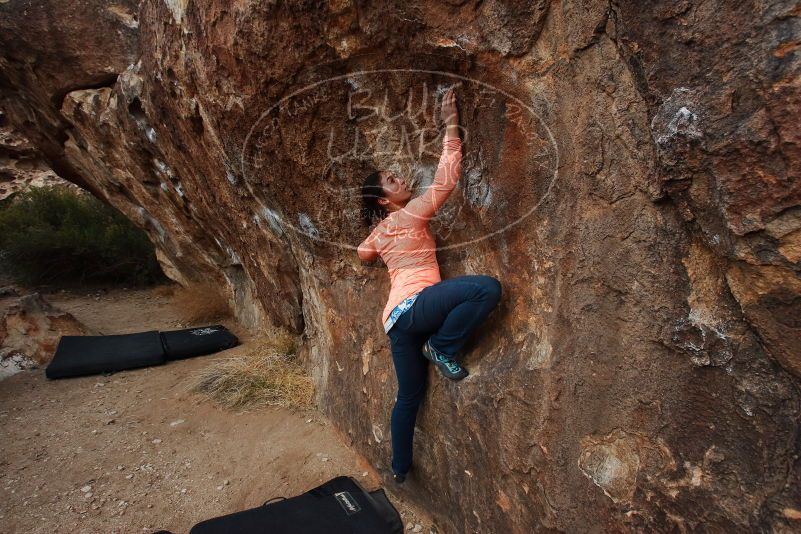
{"points": [[630, 174], [30, 328]]}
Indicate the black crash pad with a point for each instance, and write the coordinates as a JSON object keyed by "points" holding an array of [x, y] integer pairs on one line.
{"points": [[180, 344], [340, 506], [89, 355]]}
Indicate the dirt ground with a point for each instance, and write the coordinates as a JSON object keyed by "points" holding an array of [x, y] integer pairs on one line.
{"points": [[137, 452]]}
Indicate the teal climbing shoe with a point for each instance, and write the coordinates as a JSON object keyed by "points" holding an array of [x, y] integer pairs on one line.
{"points": [[447, 366]]}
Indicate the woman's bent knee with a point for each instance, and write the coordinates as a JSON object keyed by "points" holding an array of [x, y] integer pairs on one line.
{"points": [[493, 288]]}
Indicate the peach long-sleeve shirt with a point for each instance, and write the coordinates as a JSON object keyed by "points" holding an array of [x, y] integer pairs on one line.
{"points": [[403, 239]]}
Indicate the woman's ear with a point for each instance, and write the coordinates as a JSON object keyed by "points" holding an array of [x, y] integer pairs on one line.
{"points": [[383, 201]]}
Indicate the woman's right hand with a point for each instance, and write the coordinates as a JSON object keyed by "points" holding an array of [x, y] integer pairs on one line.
{"points": [[449, 113]]}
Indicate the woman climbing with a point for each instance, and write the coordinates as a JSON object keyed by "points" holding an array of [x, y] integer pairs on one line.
{"points": [[426, 318]]}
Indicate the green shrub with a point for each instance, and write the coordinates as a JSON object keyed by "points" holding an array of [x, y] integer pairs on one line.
{"points": [[56, 234]]}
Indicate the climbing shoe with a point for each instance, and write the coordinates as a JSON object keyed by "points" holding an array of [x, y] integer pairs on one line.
{"points": [[447, 366], [399, 478]]}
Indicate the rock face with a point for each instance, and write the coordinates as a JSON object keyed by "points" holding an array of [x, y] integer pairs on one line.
{"points": [[21, 166], [30, 328], [630, 175]]}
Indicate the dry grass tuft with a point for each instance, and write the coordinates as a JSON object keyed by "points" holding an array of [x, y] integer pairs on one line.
{"points": [[267, 373], [200, 303], [165, 290]]}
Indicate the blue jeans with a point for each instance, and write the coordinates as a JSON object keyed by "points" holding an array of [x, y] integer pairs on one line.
{"points": [[446, 312]]}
